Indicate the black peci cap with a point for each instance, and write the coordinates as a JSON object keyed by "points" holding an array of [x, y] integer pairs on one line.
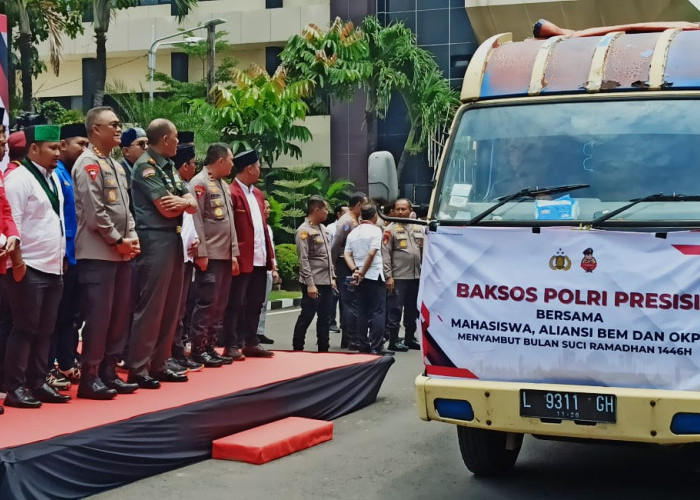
{"points": [[73, 130], [242, 160], [184, 154], [184, 137]]}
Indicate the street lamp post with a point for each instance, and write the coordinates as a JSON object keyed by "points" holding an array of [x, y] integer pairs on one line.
{"points": [[210, 26]]}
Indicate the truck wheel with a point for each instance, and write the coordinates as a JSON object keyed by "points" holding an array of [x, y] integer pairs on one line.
{"points": [[487, 452]]}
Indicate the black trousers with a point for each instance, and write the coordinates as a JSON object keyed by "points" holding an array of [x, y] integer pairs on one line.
{"points": [[160, 271], [5, 321], [403, 299], [64, 342], [106, 307], [348, 302], [334, 310], [320, 306], [243, 308], [371, 302], [211, 290], [182, 332], [34, 303]]}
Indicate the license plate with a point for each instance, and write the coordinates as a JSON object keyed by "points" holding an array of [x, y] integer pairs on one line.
{"points": [[582, 406]]}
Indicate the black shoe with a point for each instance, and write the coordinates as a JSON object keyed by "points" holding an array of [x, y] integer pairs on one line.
{"points": [[47, 394], [353, 346], [382, 352], [334, 329], [120, 386], [192, 366], [234, 353], [94, 388], [144, 381], [2, 410], [225, 359], [255, 351], [207, 359], [21, 398], [170, 376], [174, 366], [412, 344], [265, 340], [398, 347]]}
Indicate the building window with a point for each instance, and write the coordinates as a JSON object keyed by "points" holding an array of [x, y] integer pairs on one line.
{"points": [[274, 4]]}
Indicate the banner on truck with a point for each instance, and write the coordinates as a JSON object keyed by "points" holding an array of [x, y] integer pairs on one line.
{"points": [[563, 306]]}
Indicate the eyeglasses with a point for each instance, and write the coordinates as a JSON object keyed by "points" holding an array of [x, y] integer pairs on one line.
{"points": [[114, 125]]}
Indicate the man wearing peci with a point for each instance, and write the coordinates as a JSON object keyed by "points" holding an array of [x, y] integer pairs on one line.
{"points": [[255, 259], [32, 190]]}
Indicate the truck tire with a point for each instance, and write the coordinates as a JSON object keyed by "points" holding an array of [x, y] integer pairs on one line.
{"points": [[486, 452]]}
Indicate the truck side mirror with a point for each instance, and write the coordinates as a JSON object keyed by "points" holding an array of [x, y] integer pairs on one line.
{"points": [[381, 176]]}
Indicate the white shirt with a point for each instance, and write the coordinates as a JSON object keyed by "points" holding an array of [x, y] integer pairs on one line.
{"points": [[259, 249], [41, 230], [361, 240], [272, 243], [330, 228], [188, 234]]}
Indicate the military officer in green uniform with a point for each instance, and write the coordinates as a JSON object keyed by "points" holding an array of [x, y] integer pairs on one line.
{"points": [[160, 198], [402, 251]]}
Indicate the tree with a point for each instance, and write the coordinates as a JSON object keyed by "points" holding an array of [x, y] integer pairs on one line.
{"points": [[289, 188], [37, 21], [102, 13], [403, 67], [385, 61], [259, 111], [336, 61]]}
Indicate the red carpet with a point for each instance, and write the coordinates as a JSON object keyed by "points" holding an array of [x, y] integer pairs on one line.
{"points": [[24, 426]]}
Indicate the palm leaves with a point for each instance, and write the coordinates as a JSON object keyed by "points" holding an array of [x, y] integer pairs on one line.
{"points": [[336, 61], [291, 187], [262, 112]]}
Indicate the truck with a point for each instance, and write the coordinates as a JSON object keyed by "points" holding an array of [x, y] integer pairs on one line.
{"points": [[560, 289]]}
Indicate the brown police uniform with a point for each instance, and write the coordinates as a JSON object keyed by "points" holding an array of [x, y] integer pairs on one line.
{"points": [[220, 244], [402, 252], [315, 269], [348, 299], [104, 219]]}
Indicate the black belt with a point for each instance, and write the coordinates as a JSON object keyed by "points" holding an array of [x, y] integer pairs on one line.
{"points": [[174, 229]]}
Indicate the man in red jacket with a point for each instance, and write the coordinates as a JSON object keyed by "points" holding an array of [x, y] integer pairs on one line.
{"points": [[256, 257]]}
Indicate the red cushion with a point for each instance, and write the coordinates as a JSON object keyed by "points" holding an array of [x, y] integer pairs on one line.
{"points": [[274, 440]]}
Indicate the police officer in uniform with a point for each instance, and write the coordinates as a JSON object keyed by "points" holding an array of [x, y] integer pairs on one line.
{"points": [[105, 243], [348, 310], [217, 256], [160, 198], [402, 252], [315, 273]]}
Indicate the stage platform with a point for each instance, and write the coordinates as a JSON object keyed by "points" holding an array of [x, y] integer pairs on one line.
{"points": [[84, 447]]}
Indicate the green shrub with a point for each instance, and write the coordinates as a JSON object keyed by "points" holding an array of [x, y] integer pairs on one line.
{"points": [[287, 262]]}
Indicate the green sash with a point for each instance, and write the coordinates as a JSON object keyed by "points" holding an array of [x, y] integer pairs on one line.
{"points": [[51, 191]]}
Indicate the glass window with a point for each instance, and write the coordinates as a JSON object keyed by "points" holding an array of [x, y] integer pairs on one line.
{"points": [[623, 149]]}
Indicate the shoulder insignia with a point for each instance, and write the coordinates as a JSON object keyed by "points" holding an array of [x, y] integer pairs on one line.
{"points": [[148, 172], [303, 235], [199, 190], [387, 237], [92, 170], [152, 161]]}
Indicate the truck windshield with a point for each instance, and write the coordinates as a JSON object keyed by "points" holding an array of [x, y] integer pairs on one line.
{"points": [[622, 149]]}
